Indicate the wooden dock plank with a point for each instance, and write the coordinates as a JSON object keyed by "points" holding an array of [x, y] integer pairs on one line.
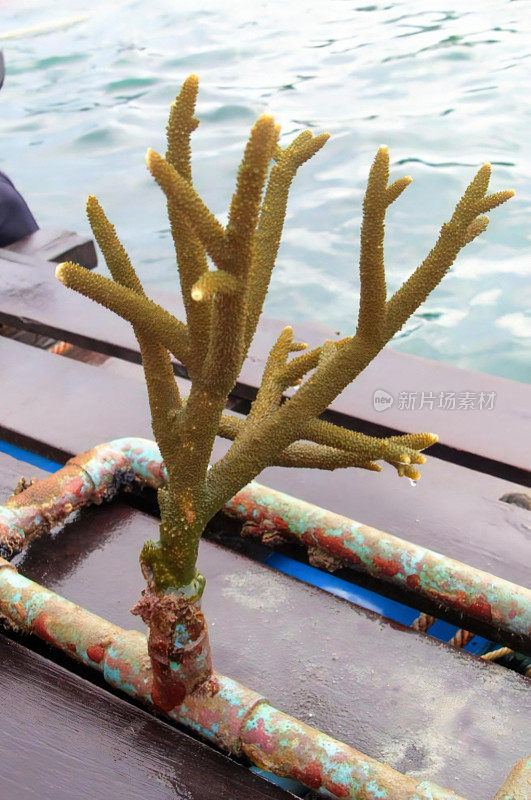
{"points": [[62, 407], [494, 441], [427, 709], [37, 302], [11, 469], [61, 737], [441, 713], [52, 393], [56, 244]]}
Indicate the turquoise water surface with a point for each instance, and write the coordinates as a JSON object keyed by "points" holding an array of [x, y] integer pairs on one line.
{"points": [[445, 85]]}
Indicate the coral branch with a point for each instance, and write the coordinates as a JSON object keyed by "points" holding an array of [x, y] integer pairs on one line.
{"points": [[227, 346], [211, 283], [304, 455], [223, 306], [372, 271], [271, 221], [301, 454], [112, 249], [245, 204], [163, 392], [190, 253], [378, 197], [339, 447], [399, 451], [337, 365], [180, 125], [463, 227], [138, 310], [186, 201], [269, 394]]}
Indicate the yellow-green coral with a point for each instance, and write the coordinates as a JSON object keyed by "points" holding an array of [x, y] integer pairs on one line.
{"points": [[223, 306]]}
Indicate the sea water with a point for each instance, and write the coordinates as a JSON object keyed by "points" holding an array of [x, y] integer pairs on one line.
{"points": [[445, 86]]}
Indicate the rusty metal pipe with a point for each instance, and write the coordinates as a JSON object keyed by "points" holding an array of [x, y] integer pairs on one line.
{"points": [[332, 540], [91, 477], [518, 783], [221, 710], [178, 642]]}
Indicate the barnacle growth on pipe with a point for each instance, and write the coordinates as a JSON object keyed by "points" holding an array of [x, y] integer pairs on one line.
{"points": [[223, 306]]}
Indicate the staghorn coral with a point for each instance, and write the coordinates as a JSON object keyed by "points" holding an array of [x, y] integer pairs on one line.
{"points": [[223, 306]]}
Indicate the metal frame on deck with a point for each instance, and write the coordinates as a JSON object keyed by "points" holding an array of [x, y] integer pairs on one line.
{"points": [[222, 710]]}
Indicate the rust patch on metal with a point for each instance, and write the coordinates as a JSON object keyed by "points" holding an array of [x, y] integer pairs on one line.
{"points": [[178, 646]]}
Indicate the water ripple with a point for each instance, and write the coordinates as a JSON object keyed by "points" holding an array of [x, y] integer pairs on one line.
{"points": [[87, 92]]}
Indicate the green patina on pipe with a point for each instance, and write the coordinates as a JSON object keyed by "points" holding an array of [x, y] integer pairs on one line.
{"points": [[274, 516], [218, 708], [221, 710], [518, 783]]}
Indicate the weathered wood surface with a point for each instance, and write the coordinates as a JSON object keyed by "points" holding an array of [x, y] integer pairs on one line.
{"points": [[489, 440], [56, 244], [63, 738], [427, 709], [61, 407], [11, 469], [37, 302], [492, 440]]}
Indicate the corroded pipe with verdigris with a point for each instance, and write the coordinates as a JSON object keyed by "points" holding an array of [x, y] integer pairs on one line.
{"points": [[331, 540], [221, 710]]}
